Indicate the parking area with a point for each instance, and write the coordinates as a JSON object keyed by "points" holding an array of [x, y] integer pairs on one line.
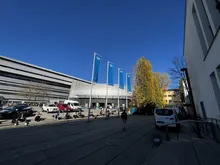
{"points": [[49, 118]]}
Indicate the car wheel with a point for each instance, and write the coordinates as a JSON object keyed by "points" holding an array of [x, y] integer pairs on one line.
{"points": [[48, 111], [156, 126]]}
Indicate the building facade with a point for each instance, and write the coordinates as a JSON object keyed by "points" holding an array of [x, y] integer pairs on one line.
{"points": [[20, 81], [172, 97], [201, 52], [81, 92]]}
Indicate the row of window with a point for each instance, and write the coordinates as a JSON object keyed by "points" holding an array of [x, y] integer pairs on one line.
{"points": [[207, 21], [17, 96], [25, 86], [31, 79], [33, 73], [169, 95]]}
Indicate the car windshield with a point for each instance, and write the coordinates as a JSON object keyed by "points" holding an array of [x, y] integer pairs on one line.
{"points": [[76, 104], [65, 105], [51, 105], [164, 112], [9, 108]]}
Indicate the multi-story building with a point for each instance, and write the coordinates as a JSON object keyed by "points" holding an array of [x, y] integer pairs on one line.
{"points": [[202, 54], [20, 81], [172, 97]]}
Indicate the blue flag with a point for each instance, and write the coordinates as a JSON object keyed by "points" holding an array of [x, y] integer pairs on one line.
{"points": [[128, 82], [96, 68], [110, 74], [121, 79]]}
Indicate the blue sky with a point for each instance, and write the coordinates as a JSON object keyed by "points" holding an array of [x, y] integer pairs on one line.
{"points": [[63, 34]]}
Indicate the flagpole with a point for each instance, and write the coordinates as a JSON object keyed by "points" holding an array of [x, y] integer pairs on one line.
{"points": [[106, 101], [118, 90], [126, 91], [90, 98]]}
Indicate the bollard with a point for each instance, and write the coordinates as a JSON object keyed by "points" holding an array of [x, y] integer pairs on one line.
{"points": [[206, 127], [177, 136], [213, 132], [216, 121], [167, 134]]}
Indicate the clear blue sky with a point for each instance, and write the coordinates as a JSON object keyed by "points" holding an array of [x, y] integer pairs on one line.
{"points": [[63, 34]]}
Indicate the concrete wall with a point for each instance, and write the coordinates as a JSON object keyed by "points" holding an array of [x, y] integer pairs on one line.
{"points": [[200, 65]]}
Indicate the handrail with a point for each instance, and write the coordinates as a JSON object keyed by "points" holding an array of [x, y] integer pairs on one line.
{"points": [[185, 121], [192, 121]]}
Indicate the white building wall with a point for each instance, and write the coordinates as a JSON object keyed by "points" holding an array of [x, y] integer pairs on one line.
{"points": [[200, 68], [99, 90]]}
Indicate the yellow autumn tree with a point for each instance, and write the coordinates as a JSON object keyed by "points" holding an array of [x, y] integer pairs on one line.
{"points": [[158, 92], [143, 92]]}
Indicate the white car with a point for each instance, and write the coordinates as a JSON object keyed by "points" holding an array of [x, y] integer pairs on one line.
{"points": [[74, 105], [50, 108], [166, 116]]}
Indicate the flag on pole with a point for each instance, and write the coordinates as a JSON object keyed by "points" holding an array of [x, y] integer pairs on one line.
{"points": [[110, 74], [96, 68], [121, 79], [129, 83]]}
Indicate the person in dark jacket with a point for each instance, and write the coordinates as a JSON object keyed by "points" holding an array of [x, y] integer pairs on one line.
{"points": [[124, 118]]}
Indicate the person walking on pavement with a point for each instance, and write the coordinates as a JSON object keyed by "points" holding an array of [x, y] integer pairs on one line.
{"points": [[124, 118]]}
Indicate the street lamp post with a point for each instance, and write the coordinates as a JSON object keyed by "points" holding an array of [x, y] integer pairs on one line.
{"points": [[192, 100]]}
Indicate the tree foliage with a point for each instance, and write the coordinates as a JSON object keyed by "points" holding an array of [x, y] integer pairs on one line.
{"points": [[144, 83], [35, 92], [148, 87], [181, 88], [179, 76], [175, 71], [164, 80], [158, 92]]}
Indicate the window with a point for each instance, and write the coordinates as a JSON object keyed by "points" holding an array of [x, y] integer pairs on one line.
{"points": [[170, 101], [203, 109], [165, 95], [199, 31], [164, 112], [204, 22], [174, 95], [214, 12], [215, 88], [169, 95]]}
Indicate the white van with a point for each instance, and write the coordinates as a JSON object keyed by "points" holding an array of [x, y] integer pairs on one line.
{"points": [[166, 116], [74, 105]]}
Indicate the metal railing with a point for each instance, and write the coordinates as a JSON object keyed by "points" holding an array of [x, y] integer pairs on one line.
{"points": [[210, 127]]}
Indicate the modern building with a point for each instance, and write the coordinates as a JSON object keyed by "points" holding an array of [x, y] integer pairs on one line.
{"points": [[202, 54], [172, 97], [20, 81]]}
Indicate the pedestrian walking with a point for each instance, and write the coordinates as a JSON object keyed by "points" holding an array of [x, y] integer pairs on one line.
{"points": [[124, 118]]}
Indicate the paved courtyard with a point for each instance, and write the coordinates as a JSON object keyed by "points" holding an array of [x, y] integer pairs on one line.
{"points": [[102, 142]]}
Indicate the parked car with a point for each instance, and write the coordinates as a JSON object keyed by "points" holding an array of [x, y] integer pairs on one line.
{"points": [[63, 107], [50, 108], [74, 105], [166, 116], [9, 112]]}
